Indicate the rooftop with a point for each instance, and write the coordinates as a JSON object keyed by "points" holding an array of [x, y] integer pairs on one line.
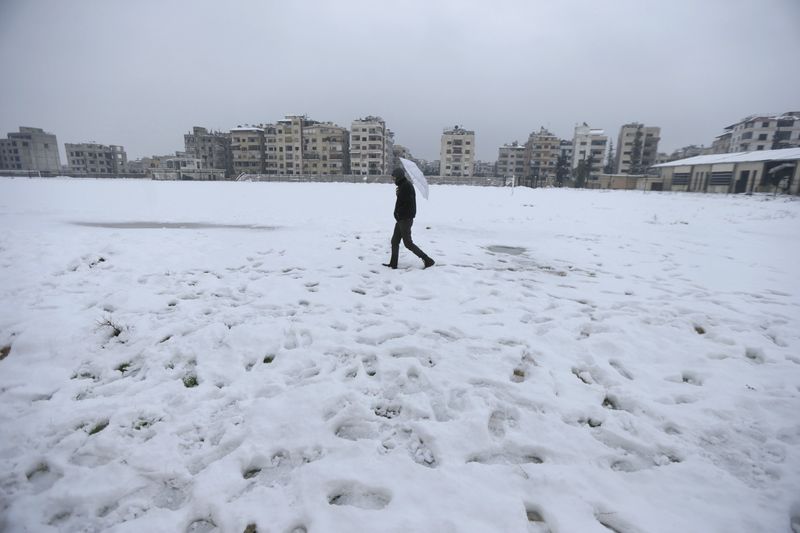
{"points": [[785, 154]]}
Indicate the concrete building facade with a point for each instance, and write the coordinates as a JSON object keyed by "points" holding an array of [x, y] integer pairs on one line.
{"points": [[93, 158], [186, 167], [212, 148], [589, 143], [541, 155], [637, 148], [457, 152], [742, 172], [511, 161], [371, 147], [484, 168], [765, 132], [326, 150], [247, 150], [30, 149]]}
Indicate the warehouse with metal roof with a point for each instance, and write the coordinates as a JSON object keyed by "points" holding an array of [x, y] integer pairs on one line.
{"points": [[739, 172]]}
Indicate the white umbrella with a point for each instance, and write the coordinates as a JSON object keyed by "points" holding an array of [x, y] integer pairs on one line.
{"points": [[416, 175]]}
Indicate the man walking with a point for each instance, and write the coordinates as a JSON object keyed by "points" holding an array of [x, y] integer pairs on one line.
{"points": [[405, 209]]}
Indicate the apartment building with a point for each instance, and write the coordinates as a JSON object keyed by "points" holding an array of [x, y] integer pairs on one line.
{"points": [[765, 132], [247, 150], [722, 143], [283, 146], [687, 151], [212, 148], [541, 155], [589, 144], [637, 148], [326, 150], [30, 149], [371, 147], [484, 168], [565, 150], [457, 152], [511, 161], [93, 158], [183, 166]]}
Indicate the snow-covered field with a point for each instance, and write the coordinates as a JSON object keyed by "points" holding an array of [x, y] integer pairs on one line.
{"points": [[233, 357]]}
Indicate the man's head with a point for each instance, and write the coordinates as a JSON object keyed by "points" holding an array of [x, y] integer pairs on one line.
{"points": [[399, 175]]}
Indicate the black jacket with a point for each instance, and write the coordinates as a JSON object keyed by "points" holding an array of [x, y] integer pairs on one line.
{"points": [[406, 205]]}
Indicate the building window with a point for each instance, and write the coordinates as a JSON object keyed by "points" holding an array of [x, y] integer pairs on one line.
{"points": [[762, 137], [765, 124]]}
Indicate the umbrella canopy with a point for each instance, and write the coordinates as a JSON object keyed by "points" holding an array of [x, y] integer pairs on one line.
{"points": [[416, 176]]}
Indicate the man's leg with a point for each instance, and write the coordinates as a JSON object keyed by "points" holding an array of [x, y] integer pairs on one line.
{"points": [[405, 228], [396, 238]]}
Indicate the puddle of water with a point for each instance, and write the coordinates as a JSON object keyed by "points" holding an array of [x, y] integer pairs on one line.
{"points": [[511, 250], [170, 225]]}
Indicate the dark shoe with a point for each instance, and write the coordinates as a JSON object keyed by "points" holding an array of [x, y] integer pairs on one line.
{"points": [[393, 267], [429, 262]]}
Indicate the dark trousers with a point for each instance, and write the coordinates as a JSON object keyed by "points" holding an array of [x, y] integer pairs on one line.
{"points": [[402, 231]]}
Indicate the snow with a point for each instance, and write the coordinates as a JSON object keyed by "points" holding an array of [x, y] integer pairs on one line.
{"points": [[577, 361], [784, 154]]}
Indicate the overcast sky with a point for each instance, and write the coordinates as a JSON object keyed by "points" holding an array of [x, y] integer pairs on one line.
{"points": [[142, 73]]}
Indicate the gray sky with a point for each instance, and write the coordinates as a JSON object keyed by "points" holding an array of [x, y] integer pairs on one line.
{"points": [[142, 73]]}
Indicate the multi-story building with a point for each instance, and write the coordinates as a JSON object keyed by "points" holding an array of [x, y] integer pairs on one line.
{"points": [[283, 145], [589, 144], [541, 155], [637, 148], [326, 150], [565, 150], [371, 147], [687, 151], [765, 132], [183, 166], [511, 161], [212, 148], [247, 150], [93, 158], [30, 149], [484, 168], [457, 152], [721, 143]]}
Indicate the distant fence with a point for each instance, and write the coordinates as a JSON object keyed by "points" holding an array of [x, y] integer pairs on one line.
{"points": [[66, 174], [355, 178], [479, 181]]}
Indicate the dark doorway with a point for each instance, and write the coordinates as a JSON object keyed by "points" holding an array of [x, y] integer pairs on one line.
{"points": [[741, 183]]}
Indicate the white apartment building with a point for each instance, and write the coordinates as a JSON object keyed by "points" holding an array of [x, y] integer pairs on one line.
{"points": [[511, 161], [371, 147], [457, 152], [30, 149], [764, 132], [589, 143], [247, 150], [637, 148], [93, 158]]}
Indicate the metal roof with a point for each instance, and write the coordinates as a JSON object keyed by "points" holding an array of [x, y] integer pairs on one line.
{"points": [[785, 154]]}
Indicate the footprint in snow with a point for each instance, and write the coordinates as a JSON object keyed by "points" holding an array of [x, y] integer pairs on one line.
{"points": [[620, 368], [498, 421], [418, 448], [509, 455], [536, 521], [361, 496]]}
